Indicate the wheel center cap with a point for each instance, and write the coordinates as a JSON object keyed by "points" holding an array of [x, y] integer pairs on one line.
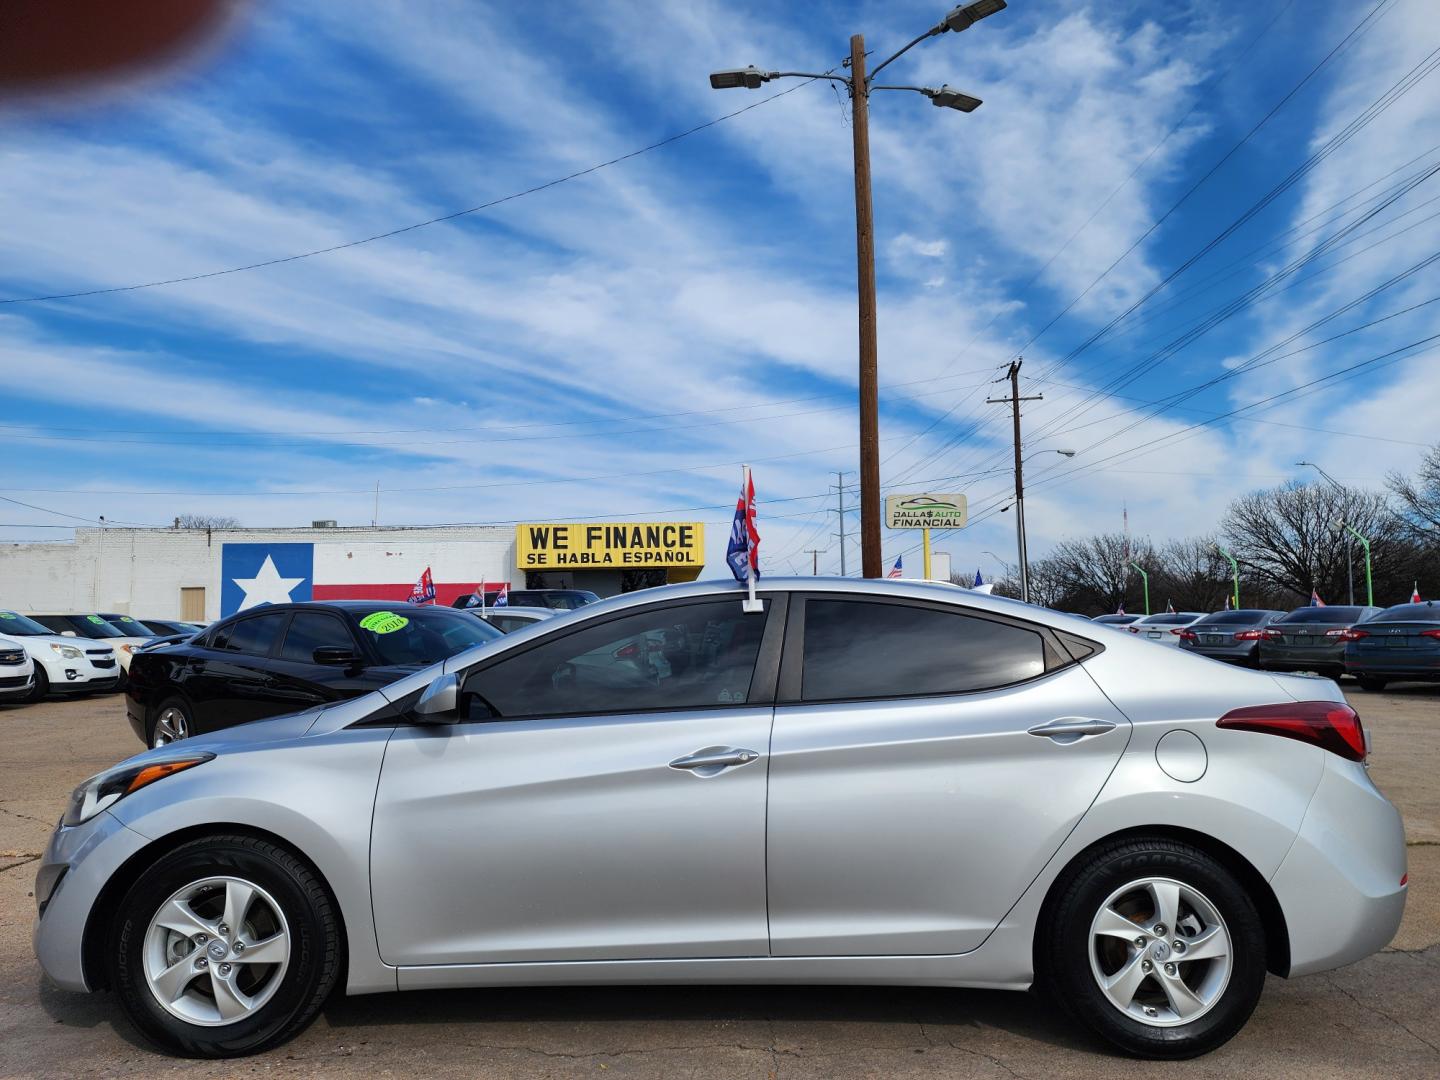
{"points": [[1161, 950], [217, 949]]}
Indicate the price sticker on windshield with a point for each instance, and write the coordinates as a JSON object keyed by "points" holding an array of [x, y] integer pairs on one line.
{"points": [[384, 622]]}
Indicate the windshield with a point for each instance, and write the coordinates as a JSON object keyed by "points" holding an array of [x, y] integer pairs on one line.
{"points": [[1234, 618], [93, 626], [130, 627], [13, 624], [411, 637], [1324, 615], [1426, 612]]}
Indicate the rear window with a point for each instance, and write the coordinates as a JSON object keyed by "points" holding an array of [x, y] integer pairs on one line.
{"points": [[1344, 614], [254, 636], [1234, 618], [1168, 620], [1426, 612]]}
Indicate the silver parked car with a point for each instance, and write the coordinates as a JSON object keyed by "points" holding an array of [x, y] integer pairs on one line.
{"points": [[884, 782]]}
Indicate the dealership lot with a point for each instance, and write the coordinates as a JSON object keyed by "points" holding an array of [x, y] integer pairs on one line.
{"points": [[1379, 1017]]}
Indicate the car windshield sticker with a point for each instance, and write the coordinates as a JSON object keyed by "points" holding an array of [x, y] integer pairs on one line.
{"points": [[384, 622], [7, 614], [126, 618], [96, 619]]}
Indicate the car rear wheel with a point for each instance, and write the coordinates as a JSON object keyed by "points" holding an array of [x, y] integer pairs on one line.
{"points": [[40, 688], [1154, 946], [225, 946], [171, 723], [1370, 683]]}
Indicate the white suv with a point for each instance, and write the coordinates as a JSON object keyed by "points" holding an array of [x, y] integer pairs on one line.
{"points": [[63, 665], [17, 672]]}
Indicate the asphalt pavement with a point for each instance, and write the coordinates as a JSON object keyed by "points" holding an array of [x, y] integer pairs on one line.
{"points": [[1380, 1017]]}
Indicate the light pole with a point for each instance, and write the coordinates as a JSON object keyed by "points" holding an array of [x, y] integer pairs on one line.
{"points": [[1146, 578], [1020, 515], [1349, 544], [1234, 569], [860, 85], [1369, 583]]}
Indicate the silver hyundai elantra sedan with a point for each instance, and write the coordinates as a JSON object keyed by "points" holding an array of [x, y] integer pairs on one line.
{"points": [[877, 782]]}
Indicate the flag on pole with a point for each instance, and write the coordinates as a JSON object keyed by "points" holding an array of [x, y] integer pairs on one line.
{"points": [[1169, 607], [743, 551], [502, 595], [1315, 600], [424, 590], [1228, 603], [1120, 608], [978, 580], [898, 570], [1415, 594]]}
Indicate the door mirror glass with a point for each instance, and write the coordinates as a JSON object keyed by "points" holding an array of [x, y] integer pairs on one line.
{"points": [[440, 701], [335, 654]]}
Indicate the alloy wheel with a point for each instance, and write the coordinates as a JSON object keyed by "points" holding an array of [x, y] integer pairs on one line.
{"points": [[216, 951], [170, 725], [1160, 952]]}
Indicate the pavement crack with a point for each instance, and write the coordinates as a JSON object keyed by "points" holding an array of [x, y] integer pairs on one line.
{"points": [[1382, 1013], [25, 860], [27, 817]]}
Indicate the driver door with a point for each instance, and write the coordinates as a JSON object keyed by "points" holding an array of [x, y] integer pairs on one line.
{"points": [[601, 798]]}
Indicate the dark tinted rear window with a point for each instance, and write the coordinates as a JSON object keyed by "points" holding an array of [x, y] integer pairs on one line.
{"points": [[253, 636], [1169, 620], [1426, 612], [1234, 618], [855, 649], [1342, 614]]}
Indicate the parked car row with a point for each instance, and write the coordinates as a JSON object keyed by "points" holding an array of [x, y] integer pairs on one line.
{"points": [[1375, 645]]}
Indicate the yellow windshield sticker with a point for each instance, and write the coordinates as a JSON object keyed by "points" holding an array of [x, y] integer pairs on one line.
{"points": [[384, 622]]}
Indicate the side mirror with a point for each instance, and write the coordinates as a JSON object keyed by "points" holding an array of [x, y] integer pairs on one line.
{"points": [[335, 654], [440, 701]]}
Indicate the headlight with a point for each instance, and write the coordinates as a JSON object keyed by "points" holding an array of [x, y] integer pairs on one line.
{"points": [[105, 789], [69, 652], [127, 648]]}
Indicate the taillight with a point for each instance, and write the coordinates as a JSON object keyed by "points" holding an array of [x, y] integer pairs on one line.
{"points": [[1350, 635], [1330, 725], [1133, 629], [1186, 635], [1430, 633], [1249, 635]]}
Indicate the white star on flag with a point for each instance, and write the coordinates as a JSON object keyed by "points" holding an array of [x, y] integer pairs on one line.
{"points": [[266, 587]]}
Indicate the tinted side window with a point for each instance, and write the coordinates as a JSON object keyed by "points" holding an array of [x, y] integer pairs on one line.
{"points": [[672, 657], [857, 649], [309, 630], [253, 636]]}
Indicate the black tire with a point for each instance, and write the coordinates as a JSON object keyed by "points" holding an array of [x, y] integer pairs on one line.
{"points": [[314, 933], [177, 703], [1064, 947], [41, 688], [1370, 683]]}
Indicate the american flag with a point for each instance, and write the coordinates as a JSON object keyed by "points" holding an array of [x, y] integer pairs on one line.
{"points": [[898, 570], [743, 551], [1315, 600], [424, 590]]}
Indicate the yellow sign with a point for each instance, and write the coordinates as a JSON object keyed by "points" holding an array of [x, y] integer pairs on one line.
{"points": [[579, 545]]}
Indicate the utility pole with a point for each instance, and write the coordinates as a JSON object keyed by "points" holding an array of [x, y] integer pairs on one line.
{"points": [[840, 513], [869, 350], [814, 554], [1014, 401]]}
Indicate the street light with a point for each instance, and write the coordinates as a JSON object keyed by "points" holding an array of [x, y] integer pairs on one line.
{"points": [[1020, 521], [860, 85], [1349, 544]]}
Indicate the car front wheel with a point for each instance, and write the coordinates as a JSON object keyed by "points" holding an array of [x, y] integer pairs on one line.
{"points": [[1154, 946], [225, 946], [41, 686], [171, 723]]}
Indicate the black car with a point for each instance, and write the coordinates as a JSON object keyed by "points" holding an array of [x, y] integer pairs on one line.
{"points": [[285, 658], [1311, 638], [559, 599], [1399, 644], [172, 627]]}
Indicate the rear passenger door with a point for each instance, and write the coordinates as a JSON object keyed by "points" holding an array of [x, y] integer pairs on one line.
{"points": [[910, 805], [298, 682]]}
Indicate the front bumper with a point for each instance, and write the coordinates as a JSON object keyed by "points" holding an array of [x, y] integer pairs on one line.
{"points": [[1340, 885], [76, 865]]}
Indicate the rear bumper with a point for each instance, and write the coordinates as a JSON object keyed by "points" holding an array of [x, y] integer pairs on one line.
{"points": [[1340, 884], [1316, 658], [1390, 665], [1244, 652]]}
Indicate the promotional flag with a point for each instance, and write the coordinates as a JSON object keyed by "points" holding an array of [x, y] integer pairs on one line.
{"points": [[1169, 608], [1228, 604], [1315, 600], [1415, 594], [502, 596], [424, 590], [978, 580], [1120, 609], [898, 570], [743, 551]]}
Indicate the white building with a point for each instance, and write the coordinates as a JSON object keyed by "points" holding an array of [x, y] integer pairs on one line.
{"points": [[204, 574]]}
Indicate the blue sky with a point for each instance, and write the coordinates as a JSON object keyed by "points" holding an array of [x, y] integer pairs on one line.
{"points": [[613, 345]]}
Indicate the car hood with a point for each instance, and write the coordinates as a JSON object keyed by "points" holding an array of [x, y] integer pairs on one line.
{"points": [[44, 641]]}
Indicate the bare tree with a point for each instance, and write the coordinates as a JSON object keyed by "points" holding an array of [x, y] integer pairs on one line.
{"points": [[206, 521], [1194, 576], [1420, 498], [1091, 574], [1291, 536]]}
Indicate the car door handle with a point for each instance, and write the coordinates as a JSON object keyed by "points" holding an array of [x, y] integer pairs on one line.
{"points": [[1068, 729], [714, 759]]}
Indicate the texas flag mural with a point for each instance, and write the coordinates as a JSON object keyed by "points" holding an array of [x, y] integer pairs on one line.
{"points": [[256, 574]]}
